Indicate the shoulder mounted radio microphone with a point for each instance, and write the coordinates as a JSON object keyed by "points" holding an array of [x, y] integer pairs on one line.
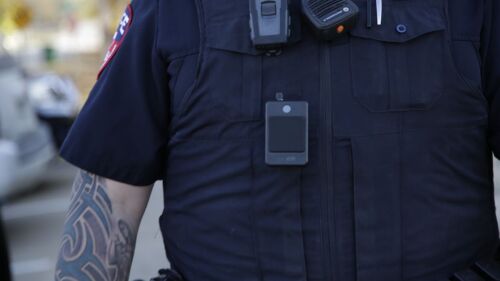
{"points": [[330, 18]]}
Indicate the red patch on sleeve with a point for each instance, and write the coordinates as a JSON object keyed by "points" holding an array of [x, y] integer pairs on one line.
{"points": [[121, 32]]}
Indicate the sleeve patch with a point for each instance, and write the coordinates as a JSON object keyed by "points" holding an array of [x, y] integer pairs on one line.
{"points": [[119, 36]]}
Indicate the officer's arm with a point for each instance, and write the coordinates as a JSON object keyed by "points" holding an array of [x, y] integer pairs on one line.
{"points": [[100, 230]]}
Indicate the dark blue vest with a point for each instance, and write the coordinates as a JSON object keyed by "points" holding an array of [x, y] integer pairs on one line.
{"points": [[403, 121], [399, 184]]}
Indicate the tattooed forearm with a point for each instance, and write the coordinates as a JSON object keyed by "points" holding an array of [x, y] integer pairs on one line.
{"points": [[97, 244], [121, 251]]}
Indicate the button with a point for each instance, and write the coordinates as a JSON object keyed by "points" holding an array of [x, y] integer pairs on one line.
{"points": [[287, 109], [268, 8], [401, 28]]}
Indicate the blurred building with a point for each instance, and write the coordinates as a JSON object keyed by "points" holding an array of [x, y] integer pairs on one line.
{"points": [[67, 37], [69, 26]]}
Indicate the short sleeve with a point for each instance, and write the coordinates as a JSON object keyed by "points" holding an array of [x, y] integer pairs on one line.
{"points": [[121, 132]]}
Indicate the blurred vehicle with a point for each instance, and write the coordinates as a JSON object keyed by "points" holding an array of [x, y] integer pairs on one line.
{"points": [[26, 145], [56, 101]]}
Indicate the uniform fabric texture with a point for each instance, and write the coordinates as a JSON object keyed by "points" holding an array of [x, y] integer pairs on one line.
{"points": [[403, 123]]}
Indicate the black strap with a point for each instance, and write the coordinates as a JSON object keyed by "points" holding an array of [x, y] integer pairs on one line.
{"points": [[168, 275], [467, 275], [488, 270], [483, 270]]}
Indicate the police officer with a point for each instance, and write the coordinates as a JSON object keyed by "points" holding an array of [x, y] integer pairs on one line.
{"points": [[403, 117]]}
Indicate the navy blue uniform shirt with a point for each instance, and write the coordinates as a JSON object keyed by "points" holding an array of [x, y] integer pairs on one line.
{"points": [[404, 118]]}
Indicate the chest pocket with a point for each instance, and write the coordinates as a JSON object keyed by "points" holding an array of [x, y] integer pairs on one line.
{"points": [[235, 70], [399, 65]]}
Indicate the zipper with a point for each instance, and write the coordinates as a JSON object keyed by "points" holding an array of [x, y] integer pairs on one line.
{"points": [[326, 138]]}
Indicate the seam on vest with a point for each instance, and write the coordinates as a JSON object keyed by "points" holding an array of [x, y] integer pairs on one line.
{"points": [[183, 54], [187, 96], [156, 34], [449, 49], [254, 229], [401, 195], [465, 38], [201, 27], [417, 130], [179, 71], [485, 49]]}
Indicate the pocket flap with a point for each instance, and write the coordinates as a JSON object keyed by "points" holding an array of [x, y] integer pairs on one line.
{"points": [[233, 34], [401, 23]]}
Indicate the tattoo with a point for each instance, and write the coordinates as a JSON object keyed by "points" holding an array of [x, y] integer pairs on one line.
{"points": [[96, 246]]}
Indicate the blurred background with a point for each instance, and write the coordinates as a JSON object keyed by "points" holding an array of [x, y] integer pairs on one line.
{"points": [[50, 53]]}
